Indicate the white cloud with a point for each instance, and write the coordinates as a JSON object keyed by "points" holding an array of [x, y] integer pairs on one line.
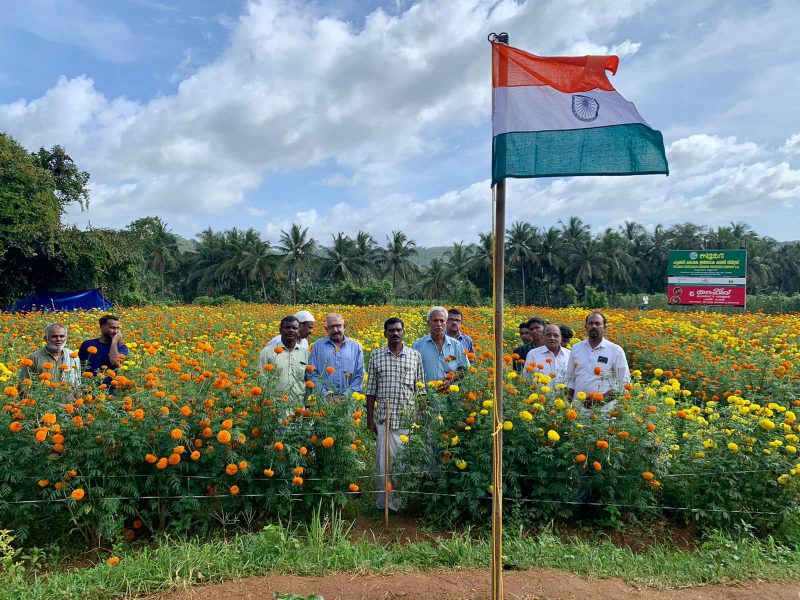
{"points": [[792, 145]]}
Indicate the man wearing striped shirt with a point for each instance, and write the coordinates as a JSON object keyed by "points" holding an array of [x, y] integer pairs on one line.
{"points": [[395, 380]]}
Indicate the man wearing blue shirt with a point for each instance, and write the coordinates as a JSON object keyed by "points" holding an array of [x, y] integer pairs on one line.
{"points": [[106, 351], [338, 361], [454, 320], [443, 357]]}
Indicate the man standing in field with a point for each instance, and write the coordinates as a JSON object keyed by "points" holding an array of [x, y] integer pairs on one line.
{"points": [[106, 351], [55, 359], [566, 335], [307, 324], [286, 361], [338, 361], [596, 370], [454, 320], [531, 334], [443, 357], [396, 377], [550, 359]]}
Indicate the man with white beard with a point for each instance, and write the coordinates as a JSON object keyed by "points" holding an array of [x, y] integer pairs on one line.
{"points": [[55, 358]]}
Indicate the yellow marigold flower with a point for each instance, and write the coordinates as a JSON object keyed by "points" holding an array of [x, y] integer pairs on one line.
{"points": [[545, 389], [404, 438], [783, 479], [553, 436], [453, 389], [461, 464], [559, 404], [512, 375], [508, 425], [454, 440], [581, 396], [766, 424], [790, 449], [525, 415], [733, 447], [669, 401], [488, 404]]}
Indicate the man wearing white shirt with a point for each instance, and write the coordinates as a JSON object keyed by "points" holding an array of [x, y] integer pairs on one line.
{"points": [[550, 359], [598, 368], [307, 323]]}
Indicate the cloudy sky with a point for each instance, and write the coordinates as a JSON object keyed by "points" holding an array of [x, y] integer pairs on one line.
{"points": [[343, 115]]}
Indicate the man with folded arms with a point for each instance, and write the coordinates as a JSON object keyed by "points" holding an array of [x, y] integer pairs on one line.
{"points": [[597, 369]]}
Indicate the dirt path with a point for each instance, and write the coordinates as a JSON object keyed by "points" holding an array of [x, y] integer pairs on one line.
{"points": [[545, 584]]}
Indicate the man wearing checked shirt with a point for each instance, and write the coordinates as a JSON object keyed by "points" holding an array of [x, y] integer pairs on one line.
{"points": [[338, 361], [395, 380]]}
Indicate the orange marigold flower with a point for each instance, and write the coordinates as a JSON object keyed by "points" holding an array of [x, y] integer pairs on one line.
{"points": [[278, 350], [227, 424], [41, 434], [224, 437], [77, 494], [597, 466], [138, 414], [174, 458], [303, 451], [186, 411], [651, 428], [195, 455], [243, 464], [297, 481], [43, 483], [161, 464], [15, 426], [26, 362], [598, 370], [150, 458], [329, 370], [327, 442], [602, 444], [580, 459], [310, 385], [297, 471], [353, 487], [49, 419], [231, 469], [268, 472], [655, 484], [176, 434], [58, 438], [114, 560], [647, 476], [234, 489], [278, 446], [572, 414], [256, 391], [91, 350]]}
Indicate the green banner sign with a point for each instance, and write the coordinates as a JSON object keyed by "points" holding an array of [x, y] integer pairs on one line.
{"points": [[708, 263]]}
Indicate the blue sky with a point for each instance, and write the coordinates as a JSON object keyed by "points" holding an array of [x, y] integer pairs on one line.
{"points": [[354, 115]]}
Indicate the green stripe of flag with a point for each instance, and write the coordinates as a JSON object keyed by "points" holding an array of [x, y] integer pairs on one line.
{"points": [[633, 149]]}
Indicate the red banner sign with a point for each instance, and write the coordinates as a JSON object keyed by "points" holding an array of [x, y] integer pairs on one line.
{"points": [[714, 295]]}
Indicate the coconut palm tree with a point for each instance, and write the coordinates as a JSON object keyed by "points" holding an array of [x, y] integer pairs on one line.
{"points": [[458, 259], [520, 252], [340, 261], [397, 255], [297, 249], [436, 279]]}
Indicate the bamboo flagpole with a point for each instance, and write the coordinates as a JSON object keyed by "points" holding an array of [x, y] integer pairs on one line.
{"points": [[498, 259]]}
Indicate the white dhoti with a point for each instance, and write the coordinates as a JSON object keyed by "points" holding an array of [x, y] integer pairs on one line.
{"points": [[395, 503]]}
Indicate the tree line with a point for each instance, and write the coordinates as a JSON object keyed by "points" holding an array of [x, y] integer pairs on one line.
{"points": [[145, 261]]}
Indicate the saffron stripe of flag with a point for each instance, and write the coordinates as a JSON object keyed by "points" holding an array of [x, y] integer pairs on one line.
{"points": [[562, 117]]}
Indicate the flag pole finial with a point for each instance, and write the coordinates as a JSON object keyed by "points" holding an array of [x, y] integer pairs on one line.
{"points": [[500, 38]]}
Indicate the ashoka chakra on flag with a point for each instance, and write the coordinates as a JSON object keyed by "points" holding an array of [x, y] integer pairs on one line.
{"points": [[585, 108]]}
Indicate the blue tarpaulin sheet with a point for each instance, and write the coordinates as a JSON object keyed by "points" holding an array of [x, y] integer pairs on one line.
{"points": [[85, 300]]}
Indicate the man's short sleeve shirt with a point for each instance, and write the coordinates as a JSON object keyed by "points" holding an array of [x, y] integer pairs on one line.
{"points": [[393, 380], [438, 363]]}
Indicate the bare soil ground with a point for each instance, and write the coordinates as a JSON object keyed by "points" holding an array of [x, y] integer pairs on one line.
{"points": [[456, 585]]}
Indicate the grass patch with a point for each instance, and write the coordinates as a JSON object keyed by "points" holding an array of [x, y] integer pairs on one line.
{"points": [[323, 547]]}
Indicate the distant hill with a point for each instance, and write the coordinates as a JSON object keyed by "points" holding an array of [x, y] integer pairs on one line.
{"points": [[426, 255]]}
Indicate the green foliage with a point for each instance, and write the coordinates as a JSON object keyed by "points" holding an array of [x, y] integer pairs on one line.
{"points": [[593, 298], [215, 301], [372, 293], [466, 293], [71, 184]]}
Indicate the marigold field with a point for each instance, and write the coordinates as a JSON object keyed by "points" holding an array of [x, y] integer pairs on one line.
{"points": [[194, 437]]}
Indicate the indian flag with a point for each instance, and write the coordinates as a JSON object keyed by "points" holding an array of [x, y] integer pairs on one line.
{"points": [[561, 117]]}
